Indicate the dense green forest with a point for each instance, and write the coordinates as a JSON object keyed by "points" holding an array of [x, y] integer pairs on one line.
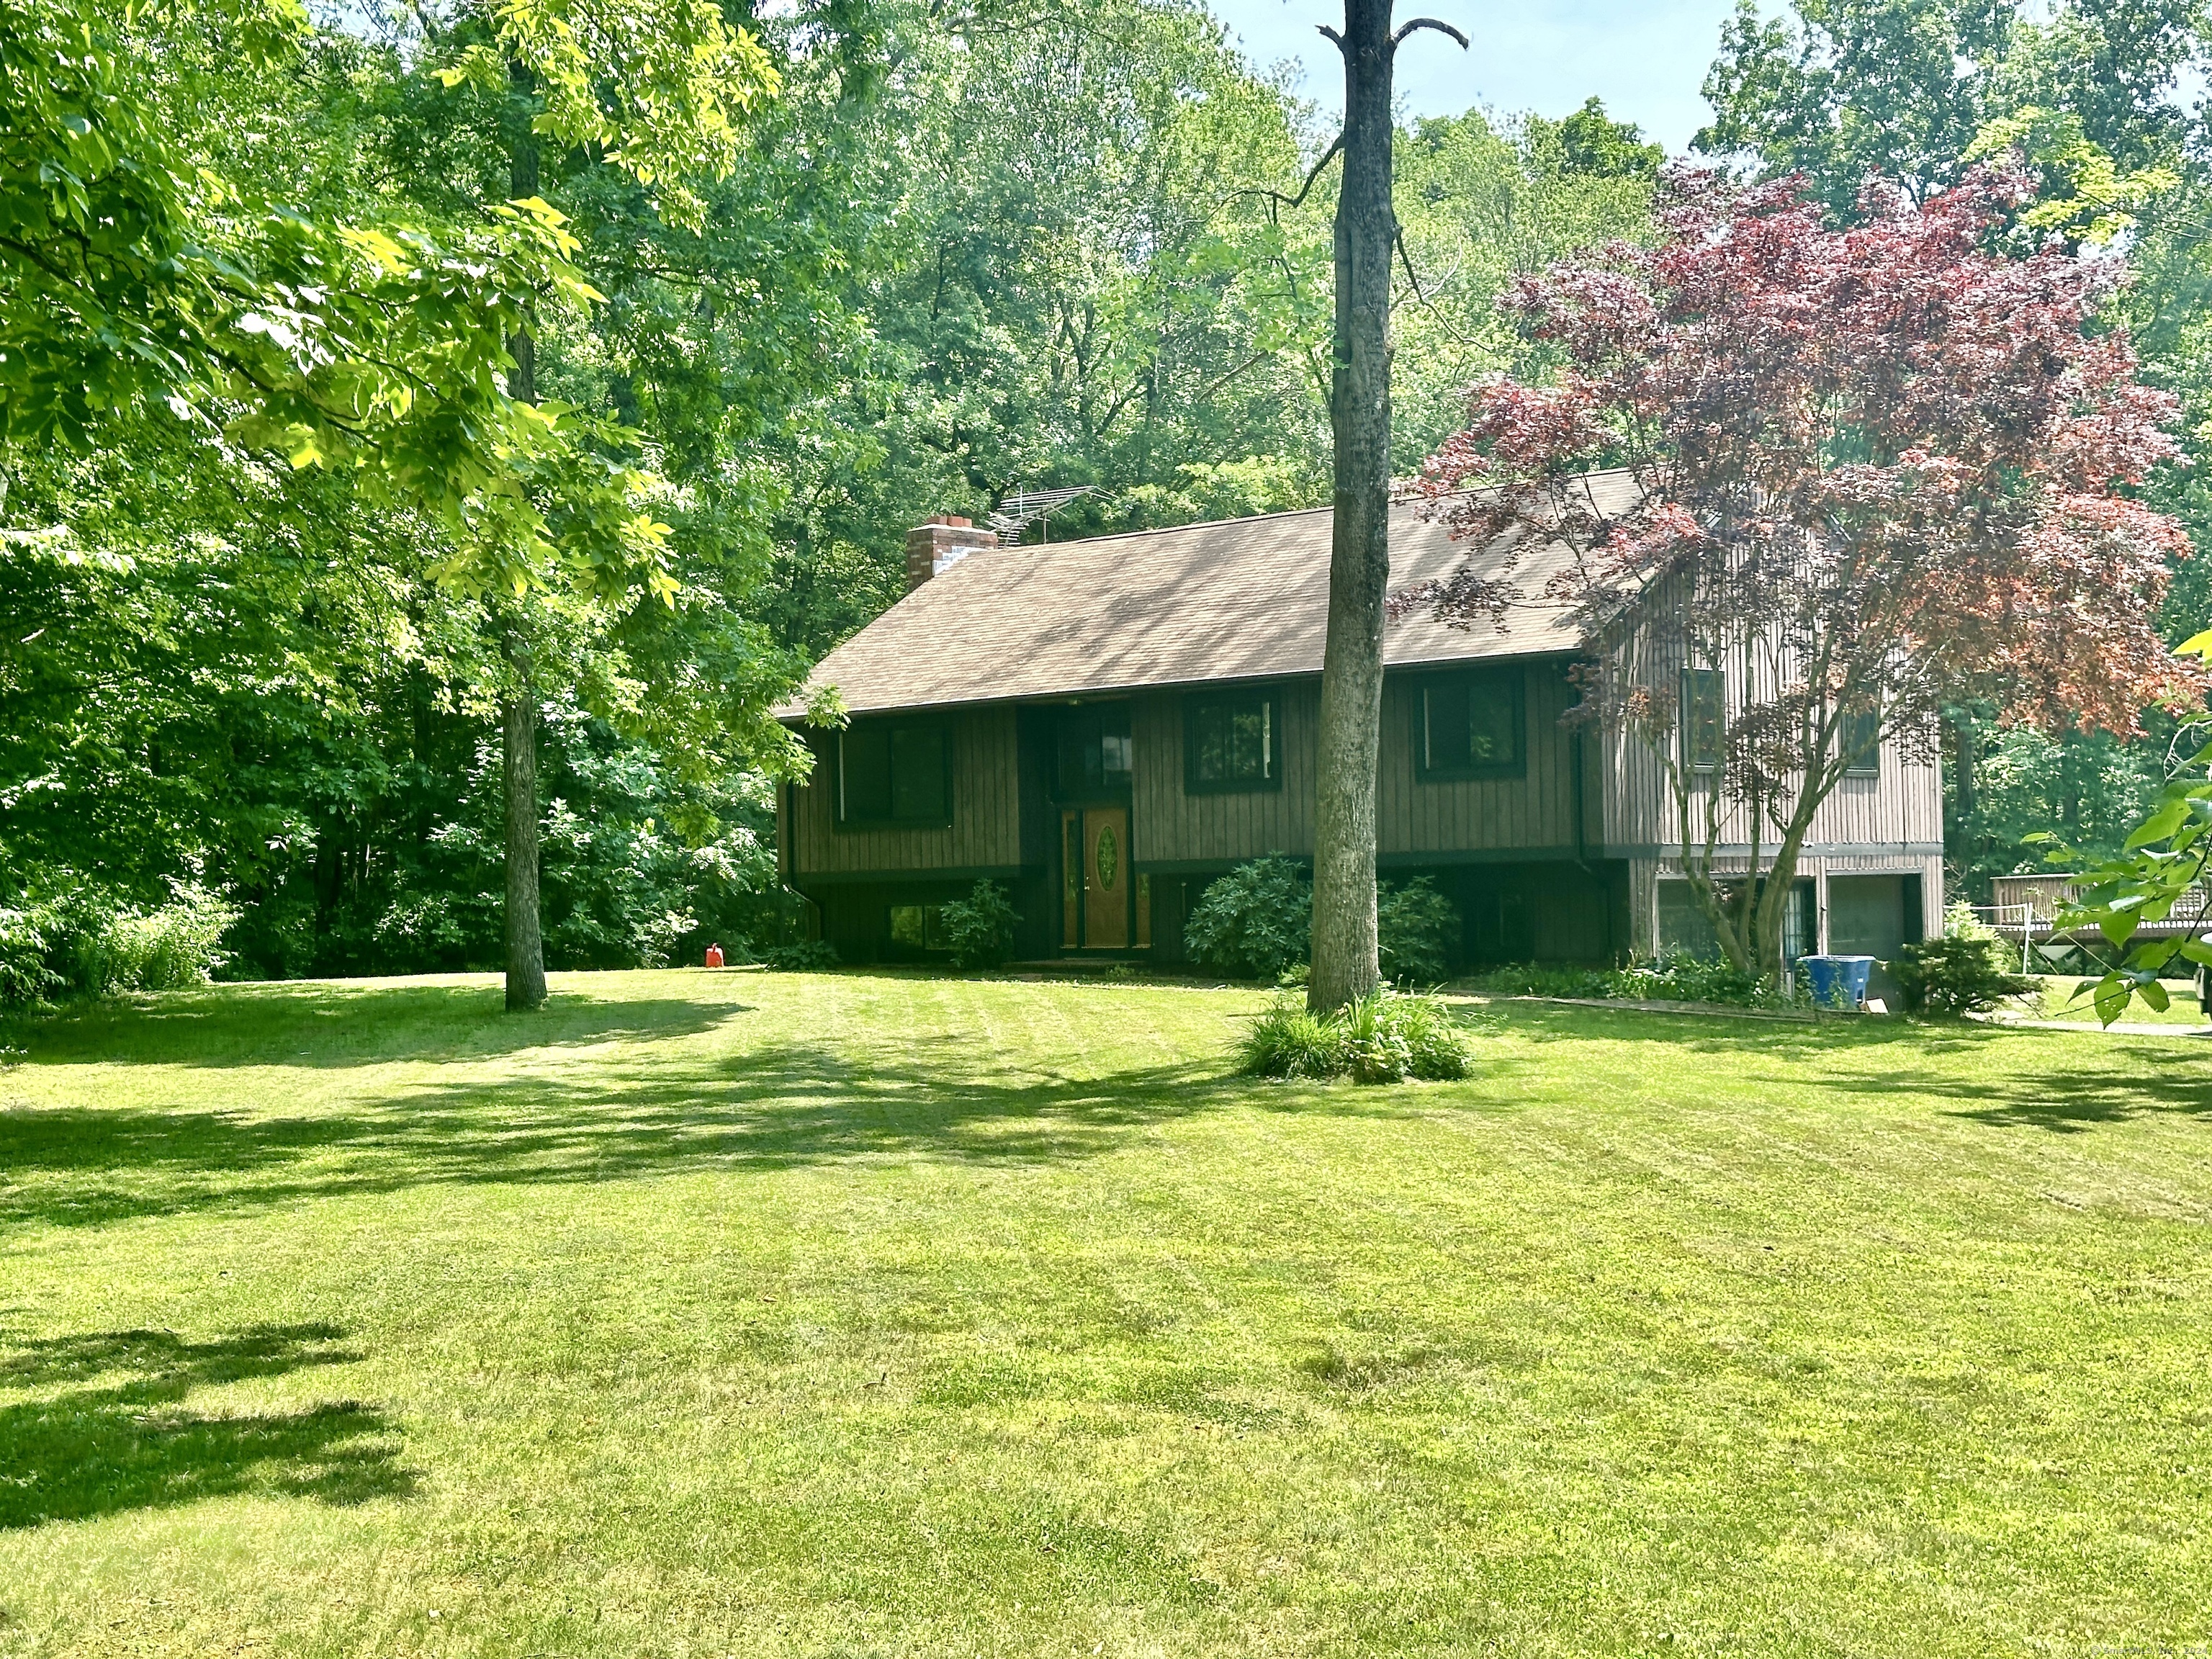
{"points": [[921, 257], [946, 263]]}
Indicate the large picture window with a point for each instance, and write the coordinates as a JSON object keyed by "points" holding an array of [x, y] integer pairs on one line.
{"points": [[1704, 719], [895, 772], [1231, 741], [1470, 725]]}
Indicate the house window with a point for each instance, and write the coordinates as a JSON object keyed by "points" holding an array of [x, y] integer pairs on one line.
{"points": [[1704, 718], [1470, 725], [919, 926], [895, 772], [1861, 742], [1092, 752], [1231, 740]]}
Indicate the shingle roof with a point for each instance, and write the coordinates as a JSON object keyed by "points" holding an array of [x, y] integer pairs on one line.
{"points": [[1244, 598]]}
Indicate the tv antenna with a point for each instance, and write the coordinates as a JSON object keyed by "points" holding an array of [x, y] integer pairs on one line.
{"points": [[1019, 508]]}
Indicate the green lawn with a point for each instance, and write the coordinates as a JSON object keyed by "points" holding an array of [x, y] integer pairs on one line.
{"points": [[857, 1315], [2055, 998]]}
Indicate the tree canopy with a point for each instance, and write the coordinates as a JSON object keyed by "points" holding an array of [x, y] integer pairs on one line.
{"points": [[277, 513], [790, 287], [1880, 471]]}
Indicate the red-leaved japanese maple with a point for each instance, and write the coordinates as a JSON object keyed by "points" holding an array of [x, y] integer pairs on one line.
{"points": [[1880, 469]]}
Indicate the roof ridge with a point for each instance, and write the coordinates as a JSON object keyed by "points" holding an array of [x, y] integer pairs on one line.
{"points": [[1258, 518], [1174, 529]]}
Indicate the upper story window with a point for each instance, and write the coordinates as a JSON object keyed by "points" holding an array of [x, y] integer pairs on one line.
{"points": [[1232, 741], [1861, 744], [1704, 719], [1092, 752], [895, 772], [1472, 725]]}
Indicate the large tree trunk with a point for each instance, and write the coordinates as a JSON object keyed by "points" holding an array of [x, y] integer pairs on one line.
{"points": [[517, 714], [1343, 955], [525, 946]]}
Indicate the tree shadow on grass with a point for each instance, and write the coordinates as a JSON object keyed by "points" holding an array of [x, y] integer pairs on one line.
{"points": [[107, 1429], [323, 1026], [2046, 1086], [1731, 1033], [2066, 1102], [636, 1114]]}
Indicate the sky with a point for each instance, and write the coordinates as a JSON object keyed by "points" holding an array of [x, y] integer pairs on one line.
{"points": [[1646, 58]]}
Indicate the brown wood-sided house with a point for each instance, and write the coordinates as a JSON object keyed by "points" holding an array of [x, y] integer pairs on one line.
{"points": [[1106, 726]]}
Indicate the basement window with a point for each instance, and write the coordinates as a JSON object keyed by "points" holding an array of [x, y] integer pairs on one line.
{"points": [[919, 926], [895, 773]]}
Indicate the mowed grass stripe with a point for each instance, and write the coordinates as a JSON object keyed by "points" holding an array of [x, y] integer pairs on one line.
{"points": [[897, 1314]]}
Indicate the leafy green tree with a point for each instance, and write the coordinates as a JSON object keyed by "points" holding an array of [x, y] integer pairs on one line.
{"points": [[2165, 862], [133, 276], [1591, 144], [870, 262], [2007, 783], [389, 360], [1481, 207], [1842, 89], [1075, 277]]}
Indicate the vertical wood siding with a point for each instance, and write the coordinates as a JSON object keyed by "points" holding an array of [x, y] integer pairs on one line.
{"points": [[1534, 810], [1627, 805], [1170, 827], [1902, 805], [985, 828]]}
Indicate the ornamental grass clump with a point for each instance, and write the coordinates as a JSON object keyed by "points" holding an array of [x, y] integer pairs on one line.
{"points": [[1384, 1037], [1289, 1041]]}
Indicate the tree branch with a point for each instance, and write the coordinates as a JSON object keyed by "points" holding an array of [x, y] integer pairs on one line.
{"points": [[1333, 35], [1305, 190], [1437, 24]]}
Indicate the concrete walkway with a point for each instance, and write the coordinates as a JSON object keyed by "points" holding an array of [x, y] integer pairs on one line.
{"points": [[2121, 1028]]}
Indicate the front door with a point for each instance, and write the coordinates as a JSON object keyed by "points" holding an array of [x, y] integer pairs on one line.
{"points": [[1095, 897]]}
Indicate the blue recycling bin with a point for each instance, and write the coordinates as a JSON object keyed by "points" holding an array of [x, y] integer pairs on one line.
{"points": [[1837, 981]]}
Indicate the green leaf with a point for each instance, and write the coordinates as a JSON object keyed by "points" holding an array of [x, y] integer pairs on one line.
{"points": [[2150, 958], [2159, 825], [2111, 997]]}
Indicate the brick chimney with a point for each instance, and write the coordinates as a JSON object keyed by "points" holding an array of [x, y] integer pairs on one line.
{"points": [[935, 546]]}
